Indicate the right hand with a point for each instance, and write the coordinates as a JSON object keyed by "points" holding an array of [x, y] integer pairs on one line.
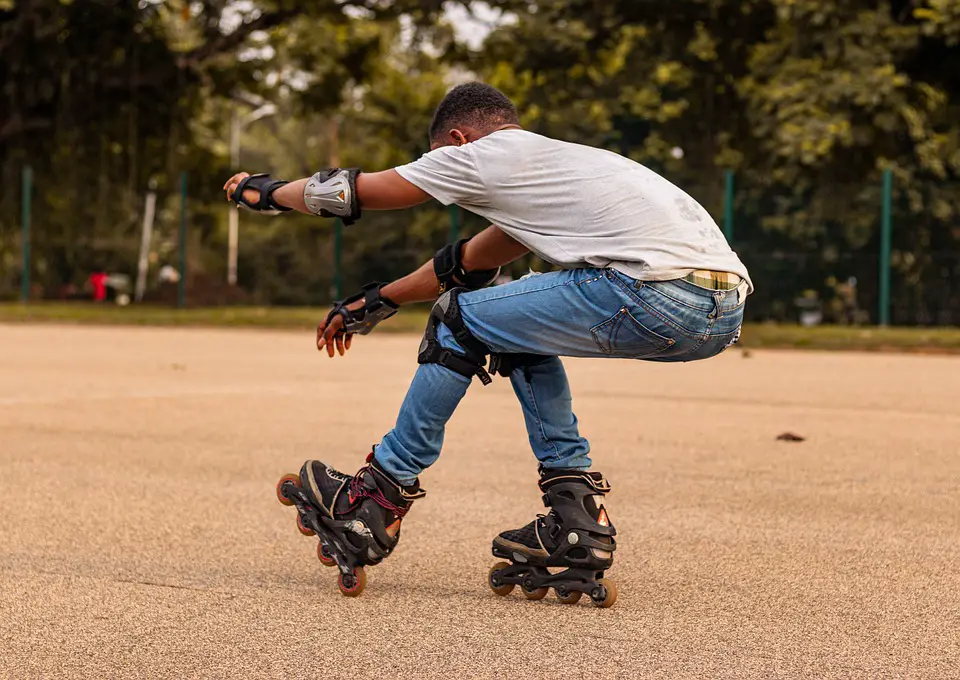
{"points": [[251, 195]]}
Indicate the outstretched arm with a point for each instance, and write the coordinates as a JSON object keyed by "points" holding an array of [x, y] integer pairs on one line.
{"points": [[385, 190], [489, 249]]}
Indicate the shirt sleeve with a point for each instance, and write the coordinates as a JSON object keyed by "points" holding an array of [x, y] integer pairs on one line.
{"points": [[449, 174]]}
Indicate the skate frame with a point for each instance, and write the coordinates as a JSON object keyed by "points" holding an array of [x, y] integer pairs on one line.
{"points": [[530, 577], [326, 530]]}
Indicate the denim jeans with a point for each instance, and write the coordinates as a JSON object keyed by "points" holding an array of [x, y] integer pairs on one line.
{"points": [[580, 313]]}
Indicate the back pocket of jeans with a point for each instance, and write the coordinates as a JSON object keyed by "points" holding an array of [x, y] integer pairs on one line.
{"points": [[623, 336]]}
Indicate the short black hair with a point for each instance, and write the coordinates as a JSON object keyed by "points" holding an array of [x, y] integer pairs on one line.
{"points": [[478, 105]]}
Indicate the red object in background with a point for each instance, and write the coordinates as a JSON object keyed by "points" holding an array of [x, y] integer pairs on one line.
{"points": [[99, 282]]}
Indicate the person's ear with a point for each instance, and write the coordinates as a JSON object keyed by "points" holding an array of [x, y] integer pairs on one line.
{"points": [[457, 137]]}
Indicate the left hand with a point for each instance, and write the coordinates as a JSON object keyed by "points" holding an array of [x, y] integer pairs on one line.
{"points": [[332, 336]]}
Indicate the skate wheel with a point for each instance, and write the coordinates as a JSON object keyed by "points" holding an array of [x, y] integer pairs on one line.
{"points": [[605, 594], [325, 559], [304, 529], [494, 582], [533, 593], [568, 597], [293, 479], [351, 585]]}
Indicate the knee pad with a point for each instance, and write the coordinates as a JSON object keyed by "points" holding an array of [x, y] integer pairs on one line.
{"points": [[472, 359], [505, 364]]}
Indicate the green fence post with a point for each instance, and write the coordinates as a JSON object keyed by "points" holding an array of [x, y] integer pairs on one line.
{"points": [[338, 258], [728, 195], [26, 201], [454, 223], [182, 284], [886, 236]]}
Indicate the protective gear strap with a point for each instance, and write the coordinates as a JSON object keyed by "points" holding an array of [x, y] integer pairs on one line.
{"points": [[468, 363], [265, 185], [333, 193], [505, 364], [448, 266], [375, 309]]}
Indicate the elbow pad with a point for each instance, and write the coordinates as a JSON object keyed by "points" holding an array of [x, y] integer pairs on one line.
{"points": [[448, 266], [333, 193]]}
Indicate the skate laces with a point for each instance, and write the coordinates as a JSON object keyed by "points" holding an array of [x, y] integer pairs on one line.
{"points": [[358, 492]]}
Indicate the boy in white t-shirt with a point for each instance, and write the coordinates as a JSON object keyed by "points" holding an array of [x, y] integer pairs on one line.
{"points": [[646, 274]]}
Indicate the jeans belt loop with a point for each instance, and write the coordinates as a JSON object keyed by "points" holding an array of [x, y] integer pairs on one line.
{"points": [[742, 291]]}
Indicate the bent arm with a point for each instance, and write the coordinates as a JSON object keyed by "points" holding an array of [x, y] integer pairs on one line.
{"points": [[385, 190], [489, 249]]}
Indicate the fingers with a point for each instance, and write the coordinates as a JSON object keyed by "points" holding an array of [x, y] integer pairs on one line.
{"points": [[329, 343], [231, 184], [330, 336], [236, 179], [320, 327]]}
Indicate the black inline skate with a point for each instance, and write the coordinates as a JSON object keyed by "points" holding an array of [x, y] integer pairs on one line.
{"points": [[575, 535], [357, 518]]}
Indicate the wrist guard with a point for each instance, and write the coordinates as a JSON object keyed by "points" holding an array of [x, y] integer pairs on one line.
{"points": [[265, 185], [448, 266], [375, 309], [333, 193]]}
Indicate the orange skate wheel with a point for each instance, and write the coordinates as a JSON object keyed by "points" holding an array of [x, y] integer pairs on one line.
{"points": [[354, 584], [534, 593], [495, 585], [325, 559], [304, 529], [293, 479], [569, 597], [611, 594]]}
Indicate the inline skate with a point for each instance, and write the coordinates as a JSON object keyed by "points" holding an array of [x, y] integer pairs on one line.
{"points": [[356, 518], [575, 536]]}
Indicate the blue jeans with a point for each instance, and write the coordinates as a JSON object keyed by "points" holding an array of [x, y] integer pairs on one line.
{"points": [[579, 313]]}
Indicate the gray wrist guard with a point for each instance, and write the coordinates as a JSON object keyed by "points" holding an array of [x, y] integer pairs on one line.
{"points": [[375, 309], [333, 193]]}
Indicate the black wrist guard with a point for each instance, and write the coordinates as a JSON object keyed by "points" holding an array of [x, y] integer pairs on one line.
{"points": [[264, 184], [448, 266], [375, 309]]}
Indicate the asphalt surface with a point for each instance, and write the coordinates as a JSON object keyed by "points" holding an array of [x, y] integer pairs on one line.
{"points": [[140, 535]]}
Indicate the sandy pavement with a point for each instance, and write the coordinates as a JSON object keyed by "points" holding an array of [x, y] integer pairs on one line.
{"points": [[140, 535]]}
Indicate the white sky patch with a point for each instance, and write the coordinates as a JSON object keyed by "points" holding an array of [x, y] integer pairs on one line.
{"points": [[473, 27]]}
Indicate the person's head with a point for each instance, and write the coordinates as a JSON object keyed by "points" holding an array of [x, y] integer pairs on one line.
{"points": [[469, 112]]}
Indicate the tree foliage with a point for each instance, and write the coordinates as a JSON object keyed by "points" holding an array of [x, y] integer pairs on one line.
{"points": [[808, 101]]}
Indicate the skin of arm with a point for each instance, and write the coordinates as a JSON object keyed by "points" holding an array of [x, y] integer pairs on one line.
{"points": [[489, 249]]}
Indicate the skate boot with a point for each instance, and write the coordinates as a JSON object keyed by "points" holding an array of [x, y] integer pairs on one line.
{"points": [[576, 536], [356, 518]]}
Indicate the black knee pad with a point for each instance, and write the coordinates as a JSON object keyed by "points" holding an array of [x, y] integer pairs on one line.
{"points": [[505, 364], [468, 363]]}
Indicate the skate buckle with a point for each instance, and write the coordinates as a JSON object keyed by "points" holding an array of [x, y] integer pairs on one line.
{"points": [[573, 538], [358, 527]]}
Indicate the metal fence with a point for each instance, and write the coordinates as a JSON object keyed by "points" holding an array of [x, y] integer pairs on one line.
{"points": [[908, 274]]}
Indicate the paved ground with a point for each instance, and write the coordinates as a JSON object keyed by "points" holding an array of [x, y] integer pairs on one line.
{"points": [[140, 535]]}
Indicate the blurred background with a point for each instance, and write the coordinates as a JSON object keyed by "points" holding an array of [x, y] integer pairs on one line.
{"points": [[824, 136]]}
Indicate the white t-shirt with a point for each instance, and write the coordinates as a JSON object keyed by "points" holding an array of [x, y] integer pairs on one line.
{"points": [[577, 206]]}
